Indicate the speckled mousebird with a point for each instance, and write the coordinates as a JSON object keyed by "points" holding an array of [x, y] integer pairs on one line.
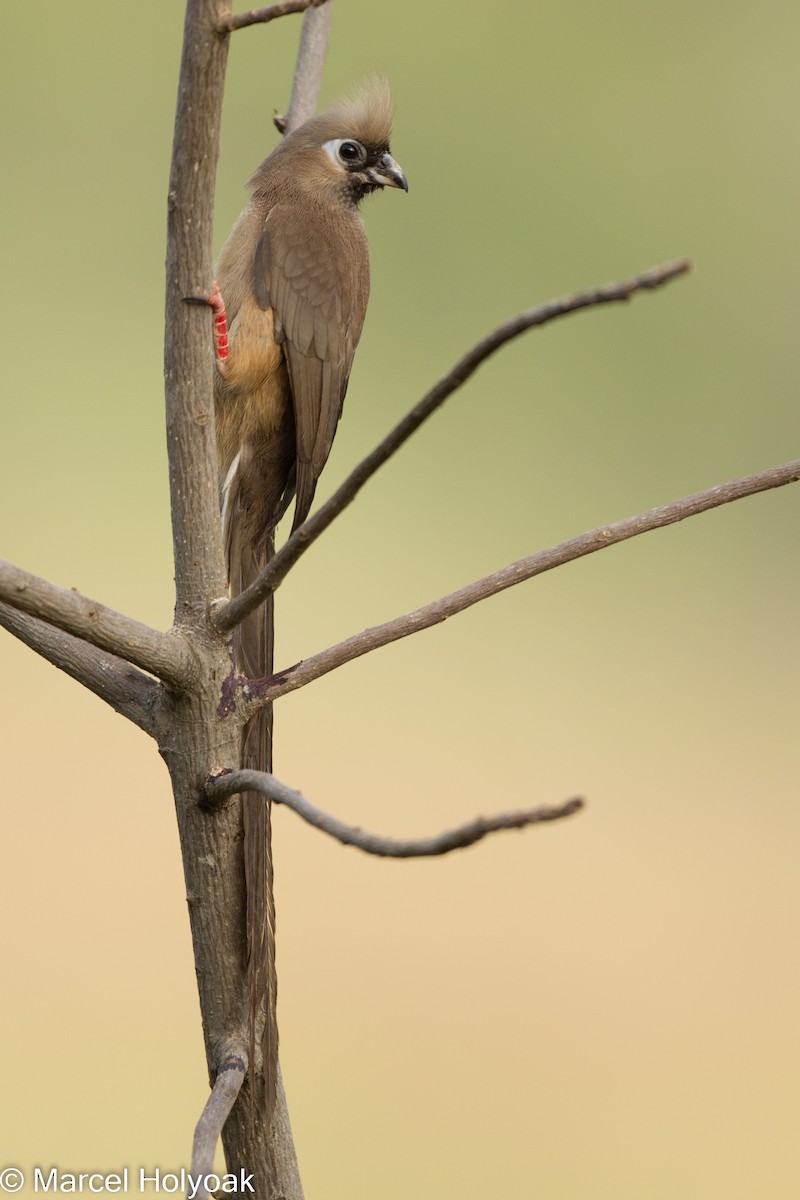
{"points": [[289, 303]]}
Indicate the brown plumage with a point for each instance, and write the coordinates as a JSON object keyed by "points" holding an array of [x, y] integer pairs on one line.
{"points": [[294, 279]]}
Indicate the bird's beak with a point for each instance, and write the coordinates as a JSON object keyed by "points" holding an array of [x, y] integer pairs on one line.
{"points": [[388, 173]]}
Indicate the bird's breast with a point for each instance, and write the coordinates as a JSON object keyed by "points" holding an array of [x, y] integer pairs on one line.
{"points": [[252, 392]]}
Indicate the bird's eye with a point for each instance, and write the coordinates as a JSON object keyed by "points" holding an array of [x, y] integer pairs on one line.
{"points": [[352, 152], [345, 152]]}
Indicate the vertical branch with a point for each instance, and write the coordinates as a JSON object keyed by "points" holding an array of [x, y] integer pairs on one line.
{"points": [[310, 65], [197, 739], [199, 565]]}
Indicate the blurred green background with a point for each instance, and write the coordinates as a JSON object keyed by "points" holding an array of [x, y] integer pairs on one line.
{"points": [[603, 1008]]}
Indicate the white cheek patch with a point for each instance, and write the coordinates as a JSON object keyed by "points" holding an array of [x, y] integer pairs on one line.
{"points": [[331, 148]]}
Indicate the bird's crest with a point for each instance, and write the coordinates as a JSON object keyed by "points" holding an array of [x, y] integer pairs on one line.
{"points": [[367, 114]]}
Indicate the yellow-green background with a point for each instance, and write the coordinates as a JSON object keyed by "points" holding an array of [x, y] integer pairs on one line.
{"points": [[604, 1008]]}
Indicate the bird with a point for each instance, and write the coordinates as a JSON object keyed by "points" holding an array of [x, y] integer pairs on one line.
{"points": [[289, 300]]}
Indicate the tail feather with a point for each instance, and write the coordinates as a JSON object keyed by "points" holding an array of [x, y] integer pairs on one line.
{"points": [[261, 974], [253, 656], [306, 485]]}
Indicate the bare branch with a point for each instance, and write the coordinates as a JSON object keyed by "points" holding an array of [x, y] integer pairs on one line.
{"points": [[228, 614], [127, 690], [165, 655], [266, 690], [307, 79], [221, 787], [188, 369], [217, 902], [260, 16], [227, 1085]]}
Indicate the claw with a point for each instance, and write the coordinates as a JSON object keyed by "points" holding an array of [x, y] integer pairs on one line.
{"points": [[217, 305]]}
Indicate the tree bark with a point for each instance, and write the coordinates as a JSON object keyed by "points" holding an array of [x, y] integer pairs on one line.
{"points": [[198, 741]]}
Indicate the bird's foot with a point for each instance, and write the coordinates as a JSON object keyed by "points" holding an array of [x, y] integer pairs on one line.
{"points": [[221, 347], [217, 305]]}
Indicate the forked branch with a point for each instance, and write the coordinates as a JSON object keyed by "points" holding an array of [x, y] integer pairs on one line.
{"points": [[228, 614], [221, 787], [517, 572], [165, 655], [127, 690]]}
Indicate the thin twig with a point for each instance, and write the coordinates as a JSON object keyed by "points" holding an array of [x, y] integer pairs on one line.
{"points": [[517, 572], [260, 16], [307, 79], [223, 786], [227, 1085], [228, 614], [165, 655], [127, 690]]}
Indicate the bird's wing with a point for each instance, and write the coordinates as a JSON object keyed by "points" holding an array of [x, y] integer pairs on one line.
{"points": [[314, 275]]}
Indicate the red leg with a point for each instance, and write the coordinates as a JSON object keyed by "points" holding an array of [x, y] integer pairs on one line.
{"points": [[221, 347], [217, 304]]}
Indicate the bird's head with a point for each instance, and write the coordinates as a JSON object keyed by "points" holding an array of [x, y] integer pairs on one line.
{"points": [[346, 148]]}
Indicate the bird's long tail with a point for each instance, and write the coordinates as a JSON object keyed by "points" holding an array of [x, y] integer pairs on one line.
{"points": [[253, 656]]}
